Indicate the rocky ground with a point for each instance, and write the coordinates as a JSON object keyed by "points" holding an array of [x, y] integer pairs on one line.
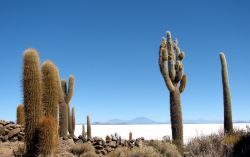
{"points": [[12, 142]]}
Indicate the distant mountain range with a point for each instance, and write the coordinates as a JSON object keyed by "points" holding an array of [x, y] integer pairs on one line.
{"points": [[144, 120]]}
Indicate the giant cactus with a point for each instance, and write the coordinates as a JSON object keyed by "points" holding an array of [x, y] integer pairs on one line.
{"points": [[32, 97], [228, 124], [171, 67], [64, 107], [20, 117], [51, 89]]}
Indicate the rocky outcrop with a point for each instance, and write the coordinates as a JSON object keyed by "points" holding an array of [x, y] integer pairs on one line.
{"points": [[9, 131]]}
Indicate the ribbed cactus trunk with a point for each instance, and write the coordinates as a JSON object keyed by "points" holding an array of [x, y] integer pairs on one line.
{"points": [[32, 98], [228, 124], [73, 121], [176, 117], [63, 119], [171, 67]]}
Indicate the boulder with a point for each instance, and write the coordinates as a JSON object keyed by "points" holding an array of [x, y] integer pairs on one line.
{"points": [[13, 132]]}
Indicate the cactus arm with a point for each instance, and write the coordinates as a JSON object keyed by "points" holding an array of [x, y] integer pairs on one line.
{"points": [[64, 87], [171, 67], [163, 67], [179, 71], [70, 89], [183, 83]]}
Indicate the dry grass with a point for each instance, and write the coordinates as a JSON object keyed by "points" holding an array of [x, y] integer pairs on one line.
{"points": [[21, 149], [89, 154], [144, 151], [79, 149], [120, 152], [206, 146], [164, 148]]}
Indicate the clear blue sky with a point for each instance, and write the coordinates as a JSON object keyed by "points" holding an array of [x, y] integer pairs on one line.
{"points": [[111, 47]]}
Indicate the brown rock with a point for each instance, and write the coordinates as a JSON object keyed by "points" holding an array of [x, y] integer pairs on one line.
{"points": [[2, 131], [14, 132], [112, 144]]}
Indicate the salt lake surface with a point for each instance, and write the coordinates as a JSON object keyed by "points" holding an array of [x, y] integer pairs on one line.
{"points": [[155, 131]]}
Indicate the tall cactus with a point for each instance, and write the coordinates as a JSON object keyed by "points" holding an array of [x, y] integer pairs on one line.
{"points": [[228, 124], [32, 97], [171, 67], [51, 89], [64, 108], [20, 117], [88, 128], [73, 120]]}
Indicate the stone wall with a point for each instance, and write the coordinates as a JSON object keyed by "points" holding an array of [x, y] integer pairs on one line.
{"points": [[9, 131]]}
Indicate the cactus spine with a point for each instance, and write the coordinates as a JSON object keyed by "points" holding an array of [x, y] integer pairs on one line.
{"points": [[228, 124], [48, 140], [73, 121], [20, 117], [32, 97], [88, 128], [171, 67]]}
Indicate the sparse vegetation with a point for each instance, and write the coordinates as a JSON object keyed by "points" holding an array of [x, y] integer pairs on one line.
{"points": [[79, 149]]}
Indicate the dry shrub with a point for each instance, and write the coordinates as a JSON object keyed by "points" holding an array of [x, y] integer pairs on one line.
{"points": [[206, 146], [232, 138], [89, 154], [145, 151], [242, 147], [21, 149], [120, 152], [164, 148], [79, 149]]}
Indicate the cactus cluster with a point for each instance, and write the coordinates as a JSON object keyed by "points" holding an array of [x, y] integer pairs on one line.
{"points": [[172, 70], [42, 94]]}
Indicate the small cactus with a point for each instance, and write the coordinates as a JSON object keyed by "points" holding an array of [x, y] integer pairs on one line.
{"points": [[228, 124], [84, 133], [48, 140], [20, 115], [130, 136], [32, 97], [88, 128]]}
